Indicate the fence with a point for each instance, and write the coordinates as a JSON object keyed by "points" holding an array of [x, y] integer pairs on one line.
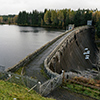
{"points": [[44, 89], [18, 79], [48, 86]]}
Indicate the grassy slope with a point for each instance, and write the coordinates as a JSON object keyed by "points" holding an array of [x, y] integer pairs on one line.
{"points": [[9, 91], [94, 93]]}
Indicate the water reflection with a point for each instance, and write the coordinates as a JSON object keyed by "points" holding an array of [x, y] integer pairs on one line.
{"points": [[26, 31]]}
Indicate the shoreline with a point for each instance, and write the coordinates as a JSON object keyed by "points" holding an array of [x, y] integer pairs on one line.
{"points": [[44, 26]]}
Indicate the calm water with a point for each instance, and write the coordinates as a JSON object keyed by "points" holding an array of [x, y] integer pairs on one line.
{"points": [[16, 42]]}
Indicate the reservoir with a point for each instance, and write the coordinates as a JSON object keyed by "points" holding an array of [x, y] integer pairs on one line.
{"points": [[16, 42]]}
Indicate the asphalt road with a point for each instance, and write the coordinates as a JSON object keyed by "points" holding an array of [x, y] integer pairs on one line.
{"points": [[33, 69]]}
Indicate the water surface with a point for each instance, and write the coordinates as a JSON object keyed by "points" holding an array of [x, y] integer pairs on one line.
{"points": [[16, 42]]}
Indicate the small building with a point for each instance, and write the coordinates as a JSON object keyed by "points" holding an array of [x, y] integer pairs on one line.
{"points": [[89, 22], [70, 26]]}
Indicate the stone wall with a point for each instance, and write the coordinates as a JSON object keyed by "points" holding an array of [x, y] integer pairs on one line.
{"points": [[69, 54]]}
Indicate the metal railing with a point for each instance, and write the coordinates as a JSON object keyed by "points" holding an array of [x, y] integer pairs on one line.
{"points": [[50, 85]]}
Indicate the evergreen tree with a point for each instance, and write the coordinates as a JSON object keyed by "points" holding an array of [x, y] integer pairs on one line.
{"points": [[77, 18], [98, 28]]}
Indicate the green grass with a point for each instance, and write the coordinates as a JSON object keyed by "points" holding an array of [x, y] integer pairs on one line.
{"points": [[9, 91], [83, 90], [43, 72], [19, 71]]}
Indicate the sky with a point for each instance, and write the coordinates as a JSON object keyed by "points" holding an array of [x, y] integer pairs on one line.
{"points": [[15, 6]]}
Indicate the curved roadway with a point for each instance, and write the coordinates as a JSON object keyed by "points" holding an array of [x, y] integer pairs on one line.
{"points": [[34, 69]]}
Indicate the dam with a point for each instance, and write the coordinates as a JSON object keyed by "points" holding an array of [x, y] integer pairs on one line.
{"points": [[66, 52], [76, 52], [71, 54]]}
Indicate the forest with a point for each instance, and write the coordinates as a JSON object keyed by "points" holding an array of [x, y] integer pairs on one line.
{"points": [[54, 18]]}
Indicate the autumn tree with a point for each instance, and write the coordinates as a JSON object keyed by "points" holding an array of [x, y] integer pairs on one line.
{"points": [[1, 19], [54, 17], [15, 19], [96, 16], [47, 17], [60, 16]]}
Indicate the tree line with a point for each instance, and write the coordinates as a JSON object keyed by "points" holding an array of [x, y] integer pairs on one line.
{"points": [[54, 18], [8, 19]]}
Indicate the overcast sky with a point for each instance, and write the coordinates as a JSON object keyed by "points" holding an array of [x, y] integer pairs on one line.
{"points": [[14, 6]]}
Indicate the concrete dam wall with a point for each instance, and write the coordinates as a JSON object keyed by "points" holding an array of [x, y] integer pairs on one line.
{"points": [[76, 52]]}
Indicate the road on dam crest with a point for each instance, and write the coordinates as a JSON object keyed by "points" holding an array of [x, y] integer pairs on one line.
{"points": [[33, 69]]}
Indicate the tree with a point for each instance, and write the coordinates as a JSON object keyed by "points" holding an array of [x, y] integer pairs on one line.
{"points": [[64, 13], [98, 28], [54, 17], [9, 20], [60, 16], [77, 18], [71, 16], [40, 17], [1, 19], [41, 22], [47, 17], [35, 18], [23, 18], [88, 15], [96, 16]]}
